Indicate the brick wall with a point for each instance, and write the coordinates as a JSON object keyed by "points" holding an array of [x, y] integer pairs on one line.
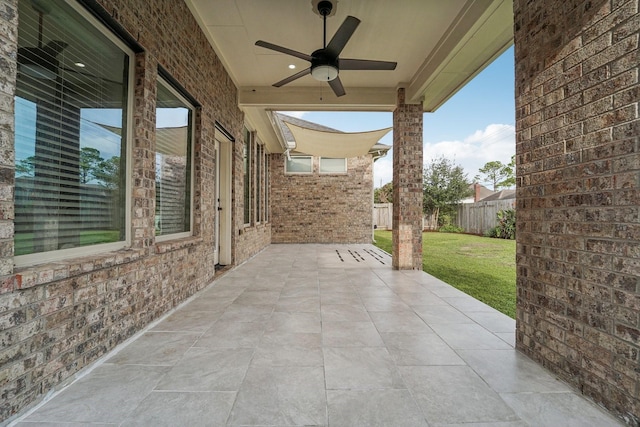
{"points": [[322, 208], [56, 319], [578, 170]]}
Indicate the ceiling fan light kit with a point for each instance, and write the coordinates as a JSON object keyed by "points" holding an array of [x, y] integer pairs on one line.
{"points": [[326, 62]]}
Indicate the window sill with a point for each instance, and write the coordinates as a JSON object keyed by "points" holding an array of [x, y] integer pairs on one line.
{"points": [[177, 244], [27, 277]]}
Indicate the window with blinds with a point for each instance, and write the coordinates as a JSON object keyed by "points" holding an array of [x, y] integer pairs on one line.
{"points": [[331, 165], [246, 166], [259, 181], [72, 93], [174, 129]]}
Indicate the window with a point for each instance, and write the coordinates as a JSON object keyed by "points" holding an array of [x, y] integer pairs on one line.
{"points": [[299, 164], [259, 181], [174, 129], [267, 163], [71, 120], [329, 165], [247, 175]]}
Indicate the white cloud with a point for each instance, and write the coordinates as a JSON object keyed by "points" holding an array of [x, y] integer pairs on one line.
{"points": [[383, 170], [495, 142]]}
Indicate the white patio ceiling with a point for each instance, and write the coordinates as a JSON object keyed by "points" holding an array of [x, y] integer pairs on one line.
{"points": [[439, 46]]}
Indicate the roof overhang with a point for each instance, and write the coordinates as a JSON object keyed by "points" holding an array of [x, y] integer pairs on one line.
{"points": [[439, 46]]}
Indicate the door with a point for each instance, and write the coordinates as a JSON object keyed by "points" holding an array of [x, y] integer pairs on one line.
{"points": [[217, 207], [222, 240]]}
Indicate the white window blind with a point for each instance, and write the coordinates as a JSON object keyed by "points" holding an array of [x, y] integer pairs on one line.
{"points": [[174, 117], [71, 119]]}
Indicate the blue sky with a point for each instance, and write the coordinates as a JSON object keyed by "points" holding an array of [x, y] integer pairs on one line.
{"points": [[473, 127]]}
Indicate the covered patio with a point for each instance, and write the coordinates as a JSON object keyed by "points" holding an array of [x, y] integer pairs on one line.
{"points": [[321, 335]]}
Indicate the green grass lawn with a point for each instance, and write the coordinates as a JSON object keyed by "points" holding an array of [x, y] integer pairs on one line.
{"points": [[482, 267]]}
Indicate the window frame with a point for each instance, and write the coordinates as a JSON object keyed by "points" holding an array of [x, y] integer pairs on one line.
{"points": [[28, 260], [344, 172], [259, 182], [299, 156], [161, 79], [247, 174]]}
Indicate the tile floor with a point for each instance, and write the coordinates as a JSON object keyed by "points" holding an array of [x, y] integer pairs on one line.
{"points": [[322, 335]]}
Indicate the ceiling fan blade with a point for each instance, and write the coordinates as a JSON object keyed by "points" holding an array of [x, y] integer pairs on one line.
{"points": [[284, 50], [337, 87], [342, 36], [292, 78], [365, 64]]}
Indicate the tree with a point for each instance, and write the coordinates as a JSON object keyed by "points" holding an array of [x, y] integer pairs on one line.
{"points": [[444, 185], [498, 174], [26, 167], [108, 172], [510, 172], [90, 160], [383, 194]]}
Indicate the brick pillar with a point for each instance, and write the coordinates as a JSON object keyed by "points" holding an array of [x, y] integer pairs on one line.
{"points": [[8, 53], [407, 185], [578, 195], [144, 184]]}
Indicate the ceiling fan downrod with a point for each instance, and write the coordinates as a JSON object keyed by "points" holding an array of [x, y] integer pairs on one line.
{"points": [[324, 8]]}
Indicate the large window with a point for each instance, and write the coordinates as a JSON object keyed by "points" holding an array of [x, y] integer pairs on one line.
{"points": [[72, 94], [259, 182], [248, 154], [174, 129]]}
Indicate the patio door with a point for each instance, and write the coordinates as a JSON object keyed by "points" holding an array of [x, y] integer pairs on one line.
{"points": [[222, 222]]}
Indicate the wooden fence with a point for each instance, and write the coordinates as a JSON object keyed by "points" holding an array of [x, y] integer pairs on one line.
{"points": [[383, 215], [473, 218], [479, 217]]}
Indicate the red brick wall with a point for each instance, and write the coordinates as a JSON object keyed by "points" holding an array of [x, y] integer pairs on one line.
{"points": [[322, 208], [578, 170], [56, 319]]}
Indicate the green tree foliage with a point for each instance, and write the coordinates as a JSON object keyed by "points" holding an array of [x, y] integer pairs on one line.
{"points": [[444, 185], [498, 174], [108, 172], [383, 194], [89, 162], [26, 167], [92, 168]]}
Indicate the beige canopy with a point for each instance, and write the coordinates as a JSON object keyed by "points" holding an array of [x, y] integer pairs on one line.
{"points": [[334, 144]]}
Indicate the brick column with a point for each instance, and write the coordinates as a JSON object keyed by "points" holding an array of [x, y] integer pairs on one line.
{"points": [[407, 185], [144, 184], [578, 192], [8, 53]]}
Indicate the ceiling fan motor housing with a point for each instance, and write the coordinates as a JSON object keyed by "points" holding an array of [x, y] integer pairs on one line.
{"points": [[328, 64], [325, 7]]}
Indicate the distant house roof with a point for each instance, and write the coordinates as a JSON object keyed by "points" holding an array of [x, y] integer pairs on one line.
{"points": [[325, 141], [478, 192], [500, 195]]}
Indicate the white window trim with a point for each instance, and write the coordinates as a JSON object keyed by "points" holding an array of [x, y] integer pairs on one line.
{"points": [[28, 260], [189, 233], [332, 172], [287, 172]]}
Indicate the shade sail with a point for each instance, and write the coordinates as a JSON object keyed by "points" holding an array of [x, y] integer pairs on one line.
{"points": [[334, 144]]}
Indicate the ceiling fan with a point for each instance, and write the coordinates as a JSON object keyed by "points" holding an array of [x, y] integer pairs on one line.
{"points": [[326, 63]]}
